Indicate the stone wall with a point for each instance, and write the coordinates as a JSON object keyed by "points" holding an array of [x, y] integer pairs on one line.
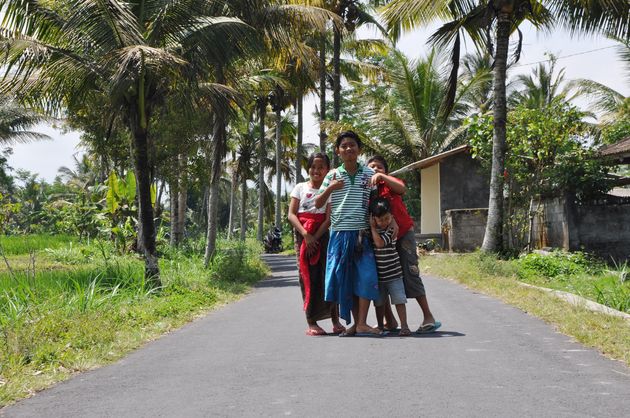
{"points": [[463, 229], [604, 230], [601, 227], [463, 184]]}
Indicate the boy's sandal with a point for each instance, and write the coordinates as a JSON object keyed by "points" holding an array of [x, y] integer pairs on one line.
{"points": [[404, 332]]}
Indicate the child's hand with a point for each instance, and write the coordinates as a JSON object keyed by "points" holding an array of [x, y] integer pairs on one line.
{"points": [[334, 183], [310, 240], [372, 222], [394, 227], [376, 179]]}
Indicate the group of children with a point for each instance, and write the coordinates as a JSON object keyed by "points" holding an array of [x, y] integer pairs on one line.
{"points": [[355, 244]]}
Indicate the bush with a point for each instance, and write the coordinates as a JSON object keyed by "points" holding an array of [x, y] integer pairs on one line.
{"points": [[556, 264]]}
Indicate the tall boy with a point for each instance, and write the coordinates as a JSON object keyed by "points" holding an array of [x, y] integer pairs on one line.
{"points": [[351, 278]]}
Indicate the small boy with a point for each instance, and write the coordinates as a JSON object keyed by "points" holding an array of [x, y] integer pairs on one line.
{"points": [[392, 189], [351, 277], [390, 275]]}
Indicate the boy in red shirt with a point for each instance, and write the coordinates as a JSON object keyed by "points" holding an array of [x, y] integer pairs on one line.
{"points": [[392, 189]]}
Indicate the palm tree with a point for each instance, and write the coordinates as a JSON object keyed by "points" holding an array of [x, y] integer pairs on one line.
{"points": [[129, 52], [479, 19], [541, 88], [15, 122]]}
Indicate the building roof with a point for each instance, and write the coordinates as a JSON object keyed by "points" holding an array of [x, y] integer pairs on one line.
{"points": [[427, 162], [619, 150]]}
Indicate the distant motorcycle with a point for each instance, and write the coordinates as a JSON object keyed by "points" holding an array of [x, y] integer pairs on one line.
{"points": [[273, 241]]}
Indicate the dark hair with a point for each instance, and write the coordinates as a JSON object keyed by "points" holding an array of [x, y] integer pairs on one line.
{"points": [[379, 159], [380, 206], [348, 134], [316, 155]]}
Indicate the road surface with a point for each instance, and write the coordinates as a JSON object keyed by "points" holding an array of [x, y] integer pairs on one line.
{"points": [[252, 359]]}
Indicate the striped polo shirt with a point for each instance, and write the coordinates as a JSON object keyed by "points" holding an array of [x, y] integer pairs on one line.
{"points": [[387, 259], [349, 205]]}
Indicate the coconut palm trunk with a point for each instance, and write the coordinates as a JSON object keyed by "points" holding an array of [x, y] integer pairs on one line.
{"points": [[336, 79], [147, 236], [278, 110], [262, 109], [493, 238], [300, 139], [233, 187], [322, 94], [174, 195], [213, 195], [182, 197], [243, 208]]}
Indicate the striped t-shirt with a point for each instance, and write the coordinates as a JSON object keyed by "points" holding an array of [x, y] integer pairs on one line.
{"points": [[349, 205], [387, 259]]}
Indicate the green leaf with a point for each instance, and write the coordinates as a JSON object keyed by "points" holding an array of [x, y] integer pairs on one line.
{"points": [[130, 191], [112, 193], [153, 193]]}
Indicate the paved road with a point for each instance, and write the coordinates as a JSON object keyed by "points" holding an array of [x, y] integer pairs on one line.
{"points": [[251, 358]]}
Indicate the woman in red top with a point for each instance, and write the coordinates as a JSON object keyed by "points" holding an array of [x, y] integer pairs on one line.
{"points": [[392, 189]]}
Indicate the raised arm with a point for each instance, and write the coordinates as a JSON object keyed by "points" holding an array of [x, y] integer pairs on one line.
{"points": [[334, 184], [396, 185]]}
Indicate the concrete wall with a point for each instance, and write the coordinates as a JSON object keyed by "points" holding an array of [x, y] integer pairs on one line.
{"points": [[604, 230], [601, 227], [463, 184], [464, 229], [430, 219]]}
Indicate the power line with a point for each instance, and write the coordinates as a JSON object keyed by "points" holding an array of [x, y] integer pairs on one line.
{"points": [[565, 56]]}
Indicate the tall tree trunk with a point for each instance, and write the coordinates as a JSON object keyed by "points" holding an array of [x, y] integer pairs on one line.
{"points": [[493, 238], [182, 198], [278, 218], [262, 154], [174, 195], [336, 80], [322, 94], [243, 208], [141, 159], [300, 133], [217, 151], [233, 187]]}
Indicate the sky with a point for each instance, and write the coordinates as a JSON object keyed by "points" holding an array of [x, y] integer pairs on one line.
{"points": [[590, 57]]}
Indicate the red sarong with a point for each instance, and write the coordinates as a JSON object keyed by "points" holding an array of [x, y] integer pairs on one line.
{"points": [[311, 222]]}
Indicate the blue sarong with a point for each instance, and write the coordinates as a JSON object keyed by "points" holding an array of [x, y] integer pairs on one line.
{"points": [[350, 271]]}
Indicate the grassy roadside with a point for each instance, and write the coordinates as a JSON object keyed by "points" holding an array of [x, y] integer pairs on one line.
{"points": [[82, 307], [484, 273]]}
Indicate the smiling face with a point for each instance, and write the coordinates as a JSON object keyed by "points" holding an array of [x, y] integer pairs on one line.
{"points": [[377, 166], [348, 150], [382, 222], [317, 171]]}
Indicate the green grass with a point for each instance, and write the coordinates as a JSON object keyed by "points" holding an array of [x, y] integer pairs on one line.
{"points": [[24, 244], [60, 320], [500, 278]]}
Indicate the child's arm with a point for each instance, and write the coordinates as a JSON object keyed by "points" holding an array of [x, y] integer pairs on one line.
{"points": [[396, 185], [293, 219], [334, 184], [376, 237], [324, 226]]}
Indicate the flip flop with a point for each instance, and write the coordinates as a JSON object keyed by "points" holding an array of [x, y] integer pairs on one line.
{"points": [[315, 332], [429, 328], [339, 329], [363, 334], [404, 332], [393, 331]]}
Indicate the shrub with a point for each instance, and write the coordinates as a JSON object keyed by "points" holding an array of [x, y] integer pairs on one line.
{"points": [[556, 264]]}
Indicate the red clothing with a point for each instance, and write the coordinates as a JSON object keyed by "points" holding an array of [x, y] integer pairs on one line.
{"points": [[311, 222], [399, 210]]}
